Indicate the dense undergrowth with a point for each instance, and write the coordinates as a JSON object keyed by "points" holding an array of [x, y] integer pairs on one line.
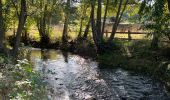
{"points": [[20, 81]]}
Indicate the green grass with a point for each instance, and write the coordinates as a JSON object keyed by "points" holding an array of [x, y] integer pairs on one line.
{"points": [[56, 34]]}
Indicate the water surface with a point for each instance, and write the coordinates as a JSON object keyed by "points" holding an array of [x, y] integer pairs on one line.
{"points": [[72, 77]]}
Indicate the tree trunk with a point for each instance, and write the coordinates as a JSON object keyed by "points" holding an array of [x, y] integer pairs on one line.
{"points": [[114, 28], [81, 22], [118, 18], [98, 23], [42, 27], [65, 30], [168, 5], [2, 27], [97, 39], [81, 27], [122, 12], [26, 36], [168, 35], [94, 32], [87, 29], [154, 43], [22, 20], [105, 15], [44, 32]]}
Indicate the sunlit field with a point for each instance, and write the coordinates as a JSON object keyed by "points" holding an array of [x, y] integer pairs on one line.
{"points": [[56, 34]]}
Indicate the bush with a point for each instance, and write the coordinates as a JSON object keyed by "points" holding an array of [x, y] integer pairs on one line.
{"points": [[21, 82]]}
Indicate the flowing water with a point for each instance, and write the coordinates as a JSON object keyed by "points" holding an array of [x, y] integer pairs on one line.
{"points": [[72, 77]]}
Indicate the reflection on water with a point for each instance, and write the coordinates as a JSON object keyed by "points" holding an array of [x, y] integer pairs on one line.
{"points": [[43, 54], [65, 55], [72, 77]]}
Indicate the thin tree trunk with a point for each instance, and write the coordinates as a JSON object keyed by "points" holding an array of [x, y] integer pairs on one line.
{"points": [[22, 20], [65, 30], [81, 22], [87, 28], [168, 35], [2, 27], [81, 27], [154, 43], [122, 12], [168, 5], [44, 35], [42, 26], [96, 27], [118, 18], [114, 28], [96, 38], [25, 35], [105, 15], [98, 23], [94, 32]]}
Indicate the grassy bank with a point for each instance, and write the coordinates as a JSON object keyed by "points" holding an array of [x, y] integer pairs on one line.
{"points": [[137, 56]]}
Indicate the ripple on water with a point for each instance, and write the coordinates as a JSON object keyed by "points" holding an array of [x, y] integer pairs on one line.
{"points": [[72, 77]]}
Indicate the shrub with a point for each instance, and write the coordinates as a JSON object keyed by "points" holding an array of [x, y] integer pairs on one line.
{"points": [[21, 82]]}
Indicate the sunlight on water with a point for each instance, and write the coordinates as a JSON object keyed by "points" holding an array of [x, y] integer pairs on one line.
{"points": [[72, 77]]}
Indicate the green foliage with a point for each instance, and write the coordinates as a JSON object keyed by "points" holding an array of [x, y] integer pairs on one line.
{"points": [[131, 14], [21, 82], [143, 59], [154, 17], [111, 60]]}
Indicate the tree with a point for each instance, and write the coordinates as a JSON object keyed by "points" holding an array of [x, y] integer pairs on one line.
{"points": [[42, 24], [87, 28], [66, 22], [22, 20], [98, 20], [156, 18], [118, 18], [105, 15], [96, 26], [85, 18], [6, 17], [168, 5], [83, 10], [48, 12], [2, 27]]}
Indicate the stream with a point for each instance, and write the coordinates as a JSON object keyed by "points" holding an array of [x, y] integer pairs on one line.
{"points": [[71, 77]]}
